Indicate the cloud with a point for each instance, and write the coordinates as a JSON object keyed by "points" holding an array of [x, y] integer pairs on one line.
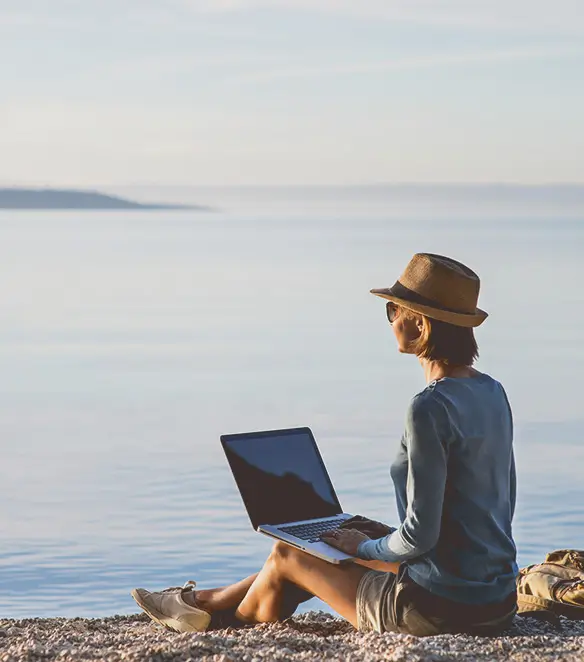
{"points": [[420, 62], [149, 66], [562, 15], [13, 20]]}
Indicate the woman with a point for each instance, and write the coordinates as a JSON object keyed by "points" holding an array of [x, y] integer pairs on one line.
{"points": [[450, 566]]}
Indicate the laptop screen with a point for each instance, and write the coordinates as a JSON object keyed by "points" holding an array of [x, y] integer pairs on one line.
{"points": [[281, 476]]}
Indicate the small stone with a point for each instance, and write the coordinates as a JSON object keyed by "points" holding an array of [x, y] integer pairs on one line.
{"points": [[309, 637]]}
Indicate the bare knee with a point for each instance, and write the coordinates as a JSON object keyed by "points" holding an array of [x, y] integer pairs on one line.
{"points": [[284, 555], [281, 551]]}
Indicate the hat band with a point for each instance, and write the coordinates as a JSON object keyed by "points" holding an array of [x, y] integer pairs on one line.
{"points": [[402, 292]]}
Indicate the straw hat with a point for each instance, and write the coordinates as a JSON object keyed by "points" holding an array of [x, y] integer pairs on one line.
{"points": [[438, 287]]}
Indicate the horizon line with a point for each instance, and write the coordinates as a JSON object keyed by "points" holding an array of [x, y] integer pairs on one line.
{"points": [[493, 183]]}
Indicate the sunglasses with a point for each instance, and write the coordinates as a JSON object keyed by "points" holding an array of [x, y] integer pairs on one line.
{"points": [[392, 311]]}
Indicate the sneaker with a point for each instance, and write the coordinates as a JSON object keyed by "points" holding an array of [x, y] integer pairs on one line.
{"points": [[169, 608]]}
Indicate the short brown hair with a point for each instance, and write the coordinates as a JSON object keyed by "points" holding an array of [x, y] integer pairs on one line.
{"points": [[444, 342]]}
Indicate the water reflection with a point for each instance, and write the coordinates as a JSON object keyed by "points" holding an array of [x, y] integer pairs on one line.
{"points": [[136, 342]]}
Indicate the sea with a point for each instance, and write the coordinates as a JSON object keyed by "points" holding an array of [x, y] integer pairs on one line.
{"points": [[131, 340]]}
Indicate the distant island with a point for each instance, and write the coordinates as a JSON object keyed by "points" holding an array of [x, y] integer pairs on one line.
{"points": [[22, 198]]}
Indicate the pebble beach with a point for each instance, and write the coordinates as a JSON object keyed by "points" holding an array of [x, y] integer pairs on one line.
{"points": [[311, 636]]}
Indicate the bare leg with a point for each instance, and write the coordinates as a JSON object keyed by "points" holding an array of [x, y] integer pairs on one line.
{"points": [[334, 584], [226, 598], [215, 599], [277, 594]]}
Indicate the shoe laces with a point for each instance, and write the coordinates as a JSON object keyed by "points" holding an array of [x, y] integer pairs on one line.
{"points": [[187, 586]]}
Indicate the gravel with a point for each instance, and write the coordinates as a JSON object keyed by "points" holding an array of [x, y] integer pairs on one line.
{"points": [[311, 636]]}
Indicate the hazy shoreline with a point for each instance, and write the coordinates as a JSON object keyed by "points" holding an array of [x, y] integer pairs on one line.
{"points": [[313, 636], [63, 199]]}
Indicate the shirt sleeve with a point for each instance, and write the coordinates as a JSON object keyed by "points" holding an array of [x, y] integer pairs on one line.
{"points": [[426, 438]]}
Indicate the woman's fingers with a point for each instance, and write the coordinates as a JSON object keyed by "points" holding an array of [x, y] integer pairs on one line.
{"points": [[352, 521], [332, 538], [347, 540]]}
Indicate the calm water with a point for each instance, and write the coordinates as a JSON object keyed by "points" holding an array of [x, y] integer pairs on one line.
{"points": [[131, 341]]}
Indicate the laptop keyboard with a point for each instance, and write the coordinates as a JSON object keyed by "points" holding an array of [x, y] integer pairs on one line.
{"points": [[312, 531]]}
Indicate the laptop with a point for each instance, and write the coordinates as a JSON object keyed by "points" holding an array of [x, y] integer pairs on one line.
{"points": [[286, 489]]}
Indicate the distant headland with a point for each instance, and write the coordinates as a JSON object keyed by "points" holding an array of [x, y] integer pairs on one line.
{"points": [[24, 198]]}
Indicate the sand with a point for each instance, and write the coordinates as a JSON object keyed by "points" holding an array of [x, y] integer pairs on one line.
{"points": [[311, 636]]}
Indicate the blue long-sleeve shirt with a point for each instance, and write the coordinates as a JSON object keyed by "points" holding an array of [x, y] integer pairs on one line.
{"points": [[454, 479]]}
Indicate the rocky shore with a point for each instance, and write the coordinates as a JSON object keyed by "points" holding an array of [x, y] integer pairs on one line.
{"points": [[311, 636]]}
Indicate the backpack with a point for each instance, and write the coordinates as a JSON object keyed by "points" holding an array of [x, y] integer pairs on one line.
{"points": [[556, 585]]}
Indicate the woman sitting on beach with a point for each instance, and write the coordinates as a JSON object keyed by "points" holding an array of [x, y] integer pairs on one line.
{"points": [[450, 566]]}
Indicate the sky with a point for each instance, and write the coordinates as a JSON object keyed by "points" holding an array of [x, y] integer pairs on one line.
{"points": [[254, 92]]}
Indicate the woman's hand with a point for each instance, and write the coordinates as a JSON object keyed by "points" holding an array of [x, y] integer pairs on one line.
{"points": [[368, 526], [347, 540]]}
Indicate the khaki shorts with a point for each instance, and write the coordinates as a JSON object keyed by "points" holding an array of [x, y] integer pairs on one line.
{"points": [[395, 603]]}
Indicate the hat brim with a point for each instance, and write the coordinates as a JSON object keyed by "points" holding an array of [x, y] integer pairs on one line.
{"points": [[458, 319]]}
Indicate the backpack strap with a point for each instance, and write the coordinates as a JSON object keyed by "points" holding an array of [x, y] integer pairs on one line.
{"points": [[527, 603]]}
